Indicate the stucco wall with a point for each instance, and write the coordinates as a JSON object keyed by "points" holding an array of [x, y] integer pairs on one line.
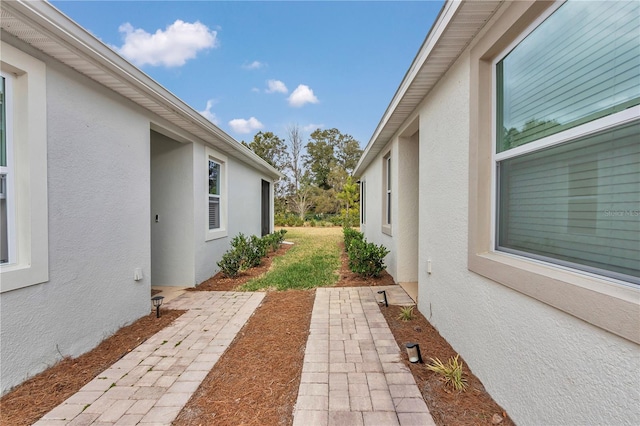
{"points": [[172, 248], [244, 185], [375, 202], [542, 365], [408, 212], [98, 183]]}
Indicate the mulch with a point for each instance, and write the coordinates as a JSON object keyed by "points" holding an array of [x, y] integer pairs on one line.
{"points": [[25, 404], [256, 380]]}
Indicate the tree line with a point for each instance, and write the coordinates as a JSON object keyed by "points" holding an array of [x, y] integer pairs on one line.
{"points": [[318, 173]]}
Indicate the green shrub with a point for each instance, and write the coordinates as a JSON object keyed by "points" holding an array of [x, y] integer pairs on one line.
{"points": [[230, 263], [366, 259], [349, 235]]}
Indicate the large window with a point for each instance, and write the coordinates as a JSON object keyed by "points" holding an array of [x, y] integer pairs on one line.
{"points": [[216, 195], [567, 156], [24, 243]]}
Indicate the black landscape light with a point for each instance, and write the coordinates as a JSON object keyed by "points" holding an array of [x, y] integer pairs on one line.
{"points": [[383, 299], [413, 352], [157, 301]]}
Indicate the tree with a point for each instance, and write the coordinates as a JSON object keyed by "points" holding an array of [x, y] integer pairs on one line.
{"points": [[295, 155], [270, 148], [329, 150], [349, 195]]}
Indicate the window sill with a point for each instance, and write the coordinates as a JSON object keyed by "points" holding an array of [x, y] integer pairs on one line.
{"points": [[14, 277], [607, 304], [386, 229], [216, 235]]}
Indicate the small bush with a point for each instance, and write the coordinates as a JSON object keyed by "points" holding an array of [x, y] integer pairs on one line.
{"points": [[349, 235], [451, 372], [230, 263], [366, 259]]}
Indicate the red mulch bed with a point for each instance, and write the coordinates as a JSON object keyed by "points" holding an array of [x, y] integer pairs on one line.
{"points": [[34, 398], [256, 380]]}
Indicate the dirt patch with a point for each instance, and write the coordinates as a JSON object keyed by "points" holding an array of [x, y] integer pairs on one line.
{"points": [[45, 391], [256, 380]]}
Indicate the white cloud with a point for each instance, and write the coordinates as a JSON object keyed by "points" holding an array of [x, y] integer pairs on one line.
{"points": [[255, 65], [311, 127], [208, 114], [240, 125], [172, 47], [302, 95], [276, 86], [255, 90]]}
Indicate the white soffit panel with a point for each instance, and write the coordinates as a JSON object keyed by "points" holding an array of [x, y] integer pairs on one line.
{"points": [[455, 27]]}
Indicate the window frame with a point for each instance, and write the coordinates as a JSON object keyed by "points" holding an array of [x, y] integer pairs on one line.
{"points": [[8, 190], [387, 193], [569, 290], [363, 202], [221, 160], [28, 116]]}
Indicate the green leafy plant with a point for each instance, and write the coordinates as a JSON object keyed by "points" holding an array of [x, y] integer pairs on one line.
{"points": [[406, 313], [451, 372], [230, 263], [350, 235], [366, 259]]}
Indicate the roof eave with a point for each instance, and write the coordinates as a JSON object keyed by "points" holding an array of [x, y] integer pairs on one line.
{"points": [[46, 19], [428, 67]]}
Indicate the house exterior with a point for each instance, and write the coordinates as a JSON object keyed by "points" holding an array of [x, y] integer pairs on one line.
{"points": [[110, 184], [504, 177]]}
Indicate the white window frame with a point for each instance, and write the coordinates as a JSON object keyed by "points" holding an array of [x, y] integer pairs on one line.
{"points": [[221, 232], [363, 201], [7, 192], [387, 194], [30, 263]]}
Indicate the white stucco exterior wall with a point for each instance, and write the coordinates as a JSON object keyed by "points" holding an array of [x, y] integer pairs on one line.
{"points": [[244, 205], [372, 229], [98, 229], [172, 197], [542, 365]]}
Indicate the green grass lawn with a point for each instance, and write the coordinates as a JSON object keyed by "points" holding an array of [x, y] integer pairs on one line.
{"points": [[312, 262]]}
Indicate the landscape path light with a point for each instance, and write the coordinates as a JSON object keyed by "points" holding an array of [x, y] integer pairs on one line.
{"points": [[413, 352], [383, 299], [157, 301]]}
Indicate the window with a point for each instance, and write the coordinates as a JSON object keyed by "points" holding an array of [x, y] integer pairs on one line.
{"points": [[363, 202], [24, 241], [7, 225], [216, 195], [572, 153], [386, 176], [567, 157]]}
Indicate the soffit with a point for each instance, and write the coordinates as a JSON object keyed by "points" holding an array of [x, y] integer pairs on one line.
{"points": [[456, 26], [40, 25]]}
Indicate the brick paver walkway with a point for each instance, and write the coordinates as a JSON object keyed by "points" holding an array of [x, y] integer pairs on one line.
{"points": [[152, 383], [352, 372]]}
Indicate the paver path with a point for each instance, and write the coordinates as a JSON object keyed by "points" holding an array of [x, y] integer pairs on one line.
{"points": [[152, 383], [352, 372]]}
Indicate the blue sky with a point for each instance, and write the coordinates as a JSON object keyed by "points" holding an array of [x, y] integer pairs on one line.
{"points": [[265, 65]]}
